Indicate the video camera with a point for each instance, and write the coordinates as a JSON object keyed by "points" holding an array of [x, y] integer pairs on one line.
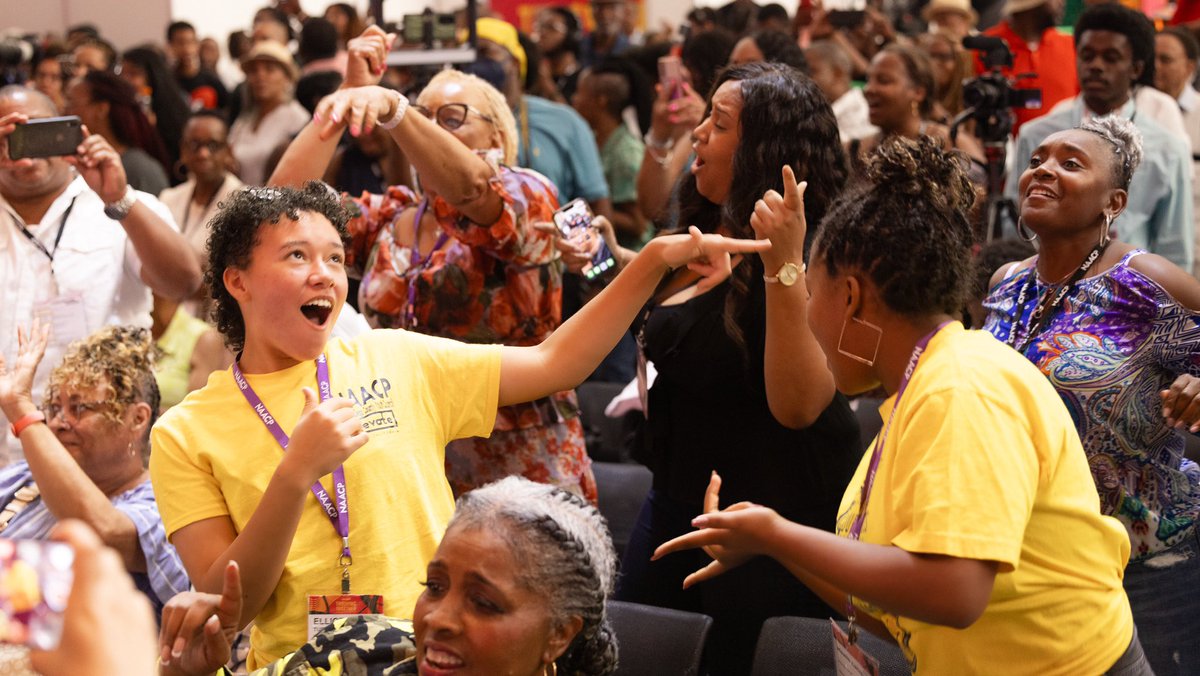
{"points": [[992, 96], [15, 56]]}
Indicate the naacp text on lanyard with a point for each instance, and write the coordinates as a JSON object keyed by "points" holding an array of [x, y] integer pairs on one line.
{"points": [[339, 516], [850, 658]]}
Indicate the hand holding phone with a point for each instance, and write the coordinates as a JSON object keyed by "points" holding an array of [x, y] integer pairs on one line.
{"points": [[574, 221], [45, 137], [670, 75]]}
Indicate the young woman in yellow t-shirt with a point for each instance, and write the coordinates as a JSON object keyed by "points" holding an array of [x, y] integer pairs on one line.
{"points": [[971, 532]]}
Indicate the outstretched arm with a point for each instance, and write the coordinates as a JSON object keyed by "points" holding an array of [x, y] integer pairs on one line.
{"points": [[574, 350]]}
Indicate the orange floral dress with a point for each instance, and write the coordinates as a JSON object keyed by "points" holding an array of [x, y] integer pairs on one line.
{"points": [[500, 283]]}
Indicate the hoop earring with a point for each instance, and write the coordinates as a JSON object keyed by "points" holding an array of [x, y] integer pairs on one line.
{"points": [[551, 669], [1021, 230], [1104, 232], [859, 358]]}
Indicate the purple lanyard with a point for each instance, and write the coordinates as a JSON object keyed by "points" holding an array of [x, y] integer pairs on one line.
{"points": [[877, 454], [339, 516], [418, 264]]}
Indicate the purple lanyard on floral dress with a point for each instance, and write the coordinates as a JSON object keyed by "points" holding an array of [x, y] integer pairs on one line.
{"points": [[860, 519], [339, 516], [416, 264]]}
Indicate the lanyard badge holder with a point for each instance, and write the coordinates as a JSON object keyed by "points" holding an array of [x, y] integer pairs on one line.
{"points": [[849, 658], [323, 609]]}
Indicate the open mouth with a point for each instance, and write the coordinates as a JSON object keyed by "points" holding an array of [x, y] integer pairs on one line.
{"points": [[1040, 192], [697, 164], [317, 311], [442, 660]]}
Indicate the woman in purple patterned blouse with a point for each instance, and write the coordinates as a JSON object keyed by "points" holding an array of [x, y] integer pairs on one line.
{"points": [[465, 261], [1117, 331]]}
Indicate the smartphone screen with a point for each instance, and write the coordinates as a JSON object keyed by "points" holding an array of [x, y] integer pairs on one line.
{"points": [[574, 221], [45, 137], [35, 581], [670, 75]]}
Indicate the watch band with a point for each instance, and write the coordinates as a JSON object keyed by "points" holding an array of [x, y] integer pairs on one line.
{"points": [[25, 421], [775, 279], [120, 209]]}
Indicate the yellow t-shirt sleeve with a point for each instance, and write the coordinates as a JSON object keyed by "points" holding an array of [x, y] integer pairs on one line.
{"points": [[185, 490], [972, 479], [461, 381]]}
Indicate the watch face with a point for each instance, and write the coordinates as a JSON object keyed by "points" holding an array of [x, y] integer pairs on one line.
{"points": [[788, 274]]}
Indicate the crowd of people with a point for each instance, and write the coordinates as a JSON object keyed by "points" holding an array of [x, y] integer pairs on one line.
{"points": [[289, 347]]}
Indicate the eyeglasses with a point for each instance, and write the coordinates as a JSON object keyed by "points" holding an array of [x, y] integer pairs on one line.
{"points": [[451, 116], [214, 147], [74, 411]]}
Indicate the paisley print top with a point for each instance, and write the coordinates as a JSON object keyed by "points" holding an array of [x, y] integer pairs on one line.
{"points": [[1117, 340]]}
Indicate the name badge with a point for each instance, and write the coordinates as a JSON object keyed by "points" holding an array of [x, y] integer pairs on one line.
{"points": [[848, 658], [325, 609]]}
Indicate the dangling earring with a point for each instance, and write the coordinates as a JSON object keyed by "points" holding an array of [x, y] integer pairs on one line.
{"points": [[551, 669], [859, 358], [1104, 232], [130, 449], [1021, 230]]}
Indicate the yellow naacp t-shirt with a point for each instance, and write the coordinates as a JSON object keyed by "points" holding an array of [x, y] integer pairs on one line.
{"points": [[983, 462], [213, 457]]}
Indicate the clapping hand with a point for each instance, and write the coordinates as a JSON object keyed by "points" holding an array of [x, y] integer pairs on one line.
{"points": [[16, 379], [1181, 403], [198, 629], [732, 537]]}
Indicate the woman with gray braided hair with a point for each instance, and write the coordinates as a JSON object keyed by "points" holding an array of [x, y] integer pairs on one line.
{"points": [[1117, 332]]}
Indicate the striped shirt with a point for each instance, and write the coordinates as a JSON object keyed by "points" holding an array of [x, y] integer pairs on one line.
{"points": [[164, 576]]}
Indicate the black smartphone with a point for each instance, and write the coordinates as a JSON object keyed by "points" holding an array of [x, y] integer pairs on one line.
{"points": [[574, 221], [46, 137]]}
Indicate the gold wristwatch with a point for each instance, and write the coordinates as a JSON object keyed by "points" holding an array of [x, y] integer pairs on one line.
{"points": [[787, 275]]}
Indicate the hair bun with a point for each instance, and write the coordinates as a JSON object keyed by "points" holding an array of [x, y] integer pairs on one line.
{"points": [[921, 169]]}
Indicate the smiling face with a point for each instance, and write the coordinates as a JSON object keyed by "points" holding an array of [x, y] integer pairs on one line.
{"points": [[1107, 71], [291, 292], [476, 617], [1068, 183], [107, 450], [716, 142], [892, 96]]}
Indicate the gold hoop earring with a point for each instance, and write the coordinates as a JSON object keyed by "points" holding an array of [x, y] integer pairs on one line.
{"points": [[1105, 231], [551, 669], [856, 357], [1021, 230]]}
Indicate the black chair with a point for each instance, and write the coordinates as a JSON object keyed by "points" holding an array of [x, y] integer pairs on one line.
{"points": [[657, 641], [803, 646], [604, 436], [621, 489]]}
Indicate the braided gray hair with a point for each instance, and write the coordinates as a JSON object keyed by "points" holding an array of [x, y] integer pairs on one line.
{"points": [[1126, 141], [564, 552]]}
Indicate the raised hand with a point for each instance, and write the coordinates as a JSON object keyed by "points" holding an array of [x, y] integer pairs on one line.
{"points": [[360, 107], [780, 218], [16, 379], [706, 255], [328, 433], [367, 57], [198, 629], [100, 166], [1181, 403]]}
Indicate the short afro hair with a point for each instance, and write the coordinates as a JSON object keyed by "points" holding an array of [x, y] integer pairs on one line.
{"points": [[1134, 25], [234, 234]]}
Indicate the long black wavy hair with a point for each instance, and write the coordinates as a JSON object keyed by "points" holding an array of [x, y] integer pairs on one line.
{"points": [[784, 120]]}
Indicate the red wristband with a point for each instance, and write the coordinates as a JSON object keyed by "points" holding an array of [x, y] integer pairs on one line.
{"points": [[25, 421]]}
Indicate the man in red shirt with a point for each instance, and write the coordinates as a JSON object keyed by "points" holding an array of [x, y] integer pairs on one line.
{"points": [[1038, 47]]}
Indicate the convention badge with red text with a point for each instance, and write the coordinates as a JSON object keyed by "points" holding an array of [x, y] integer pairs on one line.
{"points": [[325, 609], [849, 658]]}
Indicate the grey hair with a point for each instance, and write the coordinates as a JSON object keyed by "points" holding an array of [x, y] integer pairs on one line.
{"points": [[564, 552], [1126, 141]]}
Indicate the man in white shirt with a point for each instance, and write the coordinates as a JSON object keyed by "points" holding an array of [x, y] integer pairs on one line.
{"points": [[79, 248], [830, 68], [1175, 55]]}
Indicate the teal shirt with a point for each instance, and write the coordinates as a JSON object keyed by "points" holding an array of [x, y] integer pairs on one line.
{"points": [[562, 148], [1158, 217]]}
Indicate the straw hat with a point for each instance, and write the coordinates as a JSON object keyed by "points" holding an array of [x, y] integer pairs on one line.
{"points": [[962, 7], [269, 50], [1014, 6]]}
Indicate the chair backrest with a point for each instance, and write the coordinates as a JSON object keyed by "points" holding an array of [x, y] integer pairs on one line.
{"points": [[621, 489], [803, 646], [657, 641], [603, 435]]}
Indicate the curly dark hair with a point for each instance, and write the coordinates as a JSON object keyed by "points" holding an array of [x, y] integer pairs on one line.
{"points": [[234, 234], [564, 553], [1134, 25], [906, 227], [784, 120]]}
